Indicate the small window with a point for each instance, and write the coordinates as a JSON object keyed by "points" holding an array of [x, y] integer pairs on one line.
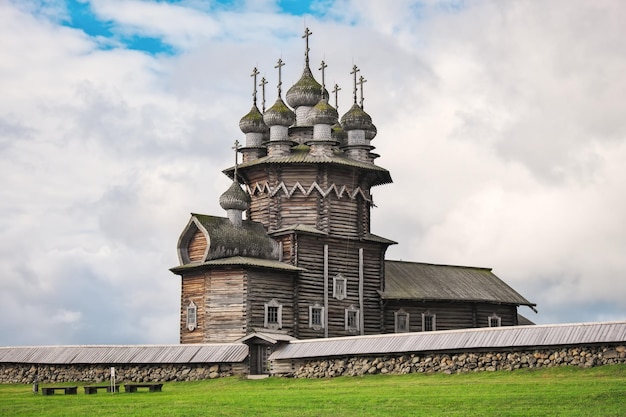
{"points": [[352, 320], [495, 320], [316, 317], [273, 315], [192, 316], [340, 286], [402, 321], [429, 322]]}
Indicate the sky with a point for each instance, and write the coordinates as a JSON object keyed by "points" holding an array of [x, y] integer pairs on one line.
{"points": [[502, 124]]}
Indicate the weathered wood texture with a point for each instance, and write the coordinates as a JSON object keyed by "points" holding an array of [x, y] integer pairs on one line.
{"points": [[193, 289], [226, 299], [449, 315], [197, 247], [265, 286], [343, 258], [330, 198]]}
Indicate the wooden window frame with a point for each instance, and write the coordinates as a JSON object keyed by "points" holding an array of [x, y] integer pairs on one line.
{"points": [[426, 326], [320, 311], [192, 316], [352, 319], [269, 307], [494, 320], [397, 317], [340, 287]]}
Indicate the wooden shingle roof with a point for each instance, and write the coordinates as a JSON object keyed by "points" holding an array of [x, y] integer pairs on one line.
{"points": [[430, 282], [300, 155]]}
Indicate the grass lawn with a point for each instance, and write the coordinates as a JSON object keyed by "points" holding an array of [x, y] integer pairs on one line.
{"points": [[565, 391]]}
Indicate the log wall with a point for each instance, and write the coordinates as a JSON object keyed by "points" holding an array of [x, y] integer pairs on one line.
{"points": [[197, 246], [343, 258], [449, 316], [193, 289], [265, 286], [226, 300]]}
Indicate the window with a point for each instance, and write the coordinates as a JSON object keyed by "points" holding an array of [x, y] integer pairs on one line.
{"points": [[192, 316], [273, 315], [402, 321], [429, 322], [340, 285], [495, 320], [316, 316], [352, 320]]}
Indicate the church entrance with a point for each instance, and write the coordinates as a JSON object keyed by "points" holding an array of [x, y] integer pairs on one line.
{"points": [[259, 359]]}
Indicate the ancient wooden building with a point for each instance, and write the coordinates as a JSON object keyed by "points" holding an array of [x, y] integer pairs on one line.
{"points": [[304, 263]]}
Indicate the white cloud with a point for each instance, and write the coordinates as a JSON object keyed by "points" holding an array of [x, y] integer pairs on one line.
{"points": [[501, 123]]}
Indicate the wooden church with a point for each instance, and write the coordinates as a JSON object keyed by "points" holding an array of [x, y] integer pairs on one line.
{"points": [[304, 263]]}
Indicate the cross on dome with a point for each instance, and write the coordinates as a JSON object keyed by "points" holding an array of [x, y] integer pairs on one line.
{"points": [[354, 71], [280, 82], [255, 72], [236, 148], [306, 35], [322, 68], [262, 85], [336, 89], [361, 82]]}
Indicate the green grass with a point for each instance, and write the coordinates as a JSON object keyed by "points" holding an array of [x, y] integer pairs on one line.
{"points": [[566, 391]]}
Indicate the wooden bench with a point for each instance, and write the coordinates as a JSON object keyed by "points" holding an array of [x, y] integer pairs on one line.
{"points": [[93, 389], [66, 390], [153, 387]]}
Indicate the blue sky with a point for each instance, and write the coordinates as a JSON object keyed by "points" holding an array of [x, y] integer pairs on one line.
{"points": [[501, 122], [81, 15]]}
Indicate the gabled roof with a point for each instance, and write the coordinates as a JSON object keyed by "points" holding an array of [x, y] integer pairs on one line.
{"points": [[272, 338], [226, 240], [429, 282]]}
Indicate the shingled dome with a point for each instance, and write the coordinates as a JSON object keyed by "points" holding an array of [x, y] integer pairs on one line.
{"points": [[234, 198], [356, 119], [323, 113], [279, 114], [306, 92], [253, 122], [371, 132]]}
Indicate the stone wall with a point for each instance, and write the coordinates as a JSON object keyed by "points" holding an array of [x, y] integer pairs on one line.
{"points": [[11, 373], [452, 363], [449, 363]]}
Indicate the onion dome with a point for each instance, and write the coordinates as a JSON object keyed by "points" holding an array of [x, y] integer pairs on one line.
{"points": [[323, 114], [371, 132], [279, 114], [339, 134], [306, 92], [253, 122], [356, 119], [234, 198]]}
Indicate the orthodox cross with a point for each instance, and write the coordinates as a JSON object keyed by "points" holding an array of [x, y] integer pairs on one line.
{"points": [[336, 90], [354, 71], [361, 82], [255, 72], [236, 148], [280, 83], [306, 35], [263, 82], [322, 68]]}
